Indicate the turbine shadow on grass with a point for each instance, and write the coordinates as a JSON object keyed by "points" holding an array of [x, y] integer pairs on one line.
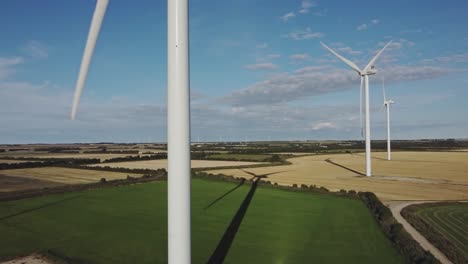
{"points": [[38, 208], [344, 167], [240, 184], [225, 194], [225, 243]]}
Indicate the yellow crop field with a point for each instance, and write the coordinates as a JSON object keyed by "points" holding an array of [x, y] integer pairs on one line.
{"points": [[409, 176], [158, 164], [65, 175]]}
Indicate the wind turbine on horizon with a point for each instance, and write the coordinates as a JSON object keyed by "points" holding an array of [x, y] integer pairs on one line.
{"points": [[364, 74], [178, 111], [387, 104]]}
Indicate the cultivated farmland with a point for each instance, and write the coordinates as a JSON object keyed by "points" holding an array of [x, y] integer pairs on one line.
{"points": [[128, 224], [409, 176], [65, 175], [445, 225], [159, 164]]}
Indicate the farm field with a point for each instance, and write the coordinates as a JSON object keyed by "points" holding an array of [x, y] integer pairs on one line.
{"points": [[249, 157], [450, 222], [409, 176], [159, 164], [6, 161], [64, 175], [128, 224], [102, 156]]}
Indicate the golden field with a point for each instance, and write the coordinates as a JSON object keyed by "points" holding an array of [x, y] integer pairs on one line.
{"points": [[158, 164], [65, 175], [409, 176]]}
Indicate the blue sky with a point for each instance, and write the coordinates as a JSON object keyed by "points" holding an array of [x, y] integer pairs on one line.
{"points": [[258, 71]]}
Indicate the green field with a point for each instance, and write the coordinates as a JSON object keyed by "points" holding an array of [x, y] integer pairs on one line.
{"points": [[449, 221], [128, 225]]}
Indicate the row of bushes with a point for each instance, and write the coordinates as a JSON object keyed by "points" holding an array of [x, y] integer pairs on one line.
{"points": [[156, 156], [105, 151], [404, 242], [47, 163], [118, 169], [431, 234]]}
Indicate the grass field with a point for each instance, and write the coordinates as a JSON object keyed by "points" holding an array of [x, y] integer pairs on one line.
{"points": [[158, 164], [409, 176], [450, 221], [128, 225], [65, 175]]}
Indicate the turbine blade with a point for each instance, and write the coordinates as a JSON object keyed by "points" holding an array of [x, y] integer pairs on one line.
{"points": [[348, 62], [372, 62], [98, 16], [383, 89], [360, 108]]}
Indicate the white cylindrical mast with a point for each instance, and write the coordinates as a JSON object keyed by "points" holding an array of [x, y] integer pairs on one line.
{"points": [[178, 133], [368, 136], [389, 151]]}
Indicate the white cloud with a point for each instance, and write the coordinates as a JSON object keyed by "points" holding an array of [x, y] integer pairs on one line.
{"points": [[306, 5], [318, 80], [287, 16], [362, 27], [302, 56], [453, 58], [273, 56], [7, 66], [348, 50], [366, 26], [36, 49], [303, 34], [262, 66], [323, 125]]}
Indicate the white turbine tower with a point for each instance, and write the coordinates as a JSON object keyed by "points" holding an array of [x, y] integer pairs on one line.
{"points": [[364, 74], [387, 104], [179, 240]]}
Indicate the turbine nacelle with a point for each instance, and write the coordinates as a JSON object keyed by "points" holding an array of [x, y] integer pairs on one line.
{"points": [[372, 70]]}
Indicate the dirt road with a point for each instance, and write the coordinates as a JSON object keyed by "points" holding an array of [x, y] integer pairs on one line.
{"points": [[396, 207]]}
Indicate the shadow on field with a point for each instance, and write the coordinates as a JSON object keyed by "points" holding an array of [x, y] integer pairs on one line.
{"points": [[344, 167], [225, 194], [364, 155], [240, 184], [225, 243], [38, 208]]}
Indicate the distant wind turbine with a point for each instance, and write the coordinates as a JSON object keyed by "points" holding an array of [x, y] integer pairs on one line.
{"points": [[364, 74], [178, 111], [387, 104]]}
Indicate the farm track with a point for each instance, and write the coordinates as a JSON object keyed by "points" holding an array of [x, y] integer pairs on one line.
{"points": [[396, 207]]}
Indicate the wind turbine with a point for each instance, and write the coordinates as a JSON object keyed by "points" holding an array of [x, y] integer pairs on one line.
{"points": [[387, 104], [364, 74], [178, 111]]}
